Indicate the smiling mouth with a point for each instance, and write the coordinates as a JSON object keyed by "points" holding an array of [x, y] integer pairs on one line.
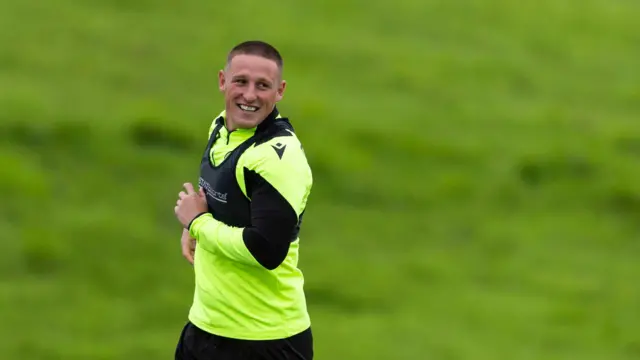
{"points": [[248, 108]]}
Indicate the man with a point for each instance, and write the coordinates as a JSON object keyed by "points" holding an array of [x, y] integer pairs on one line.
{"points": [[241, 225]]}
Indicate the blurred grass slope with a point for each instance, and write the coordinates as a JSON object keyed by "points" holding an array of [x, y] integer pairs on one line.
{"points": [[475, 163]]}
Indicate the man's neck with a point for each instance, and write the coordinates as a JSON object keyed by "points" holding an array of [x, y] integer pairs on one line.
{"points": [[232, 126], [229, 124]]}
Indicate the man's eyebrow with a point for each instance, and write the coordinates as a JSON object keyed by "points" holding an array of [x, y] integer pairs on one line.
{"points": [[259, 79], [264, 80]]}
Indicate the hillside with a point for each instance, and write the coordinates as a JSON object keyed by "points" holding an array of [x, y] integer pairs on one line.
{"points": [[476, 173]]}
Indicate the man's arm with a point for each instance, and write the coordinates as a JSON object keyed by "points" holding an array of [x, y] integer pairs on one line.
{"points": [[278, 187]]}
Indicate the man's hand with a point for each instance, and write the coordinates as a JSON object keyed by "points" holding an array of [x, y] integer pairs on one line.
{"points": [[190, 205], [188, 246]]}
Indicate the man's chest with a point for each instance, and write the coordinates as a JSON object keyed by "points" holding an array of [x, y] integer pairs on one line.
{"points": [[223, 147], [219, 178]]}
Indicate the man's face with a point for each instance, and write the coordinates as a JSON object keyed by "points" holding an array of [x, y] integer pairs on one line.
{"points": [[252, 86]]}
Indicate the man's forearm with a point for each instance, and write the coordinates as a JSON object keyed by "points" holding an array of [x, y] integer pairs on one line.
{"points": [[265, 242], [217, 237]]}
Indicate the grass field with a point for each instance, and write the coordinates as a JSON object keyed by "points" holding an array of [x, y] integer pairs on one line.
{"points": [[476, 168]]}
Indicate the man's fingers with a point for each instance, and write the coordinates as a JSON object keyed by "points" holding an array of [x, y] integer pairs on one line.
{"points": [[188, 255], [202, 193], [182, 195], [188, 252], [189, 187]]}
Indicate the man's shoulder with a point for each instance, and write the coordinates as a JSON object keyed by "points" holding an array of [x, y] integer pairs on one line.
{"points": [[284, 148], [283, 139], [281, 162]]}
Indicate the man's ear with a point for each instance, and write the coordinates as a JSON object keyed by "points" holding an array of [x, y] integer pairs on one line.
{"points": [[221, 80], [281, 88]]}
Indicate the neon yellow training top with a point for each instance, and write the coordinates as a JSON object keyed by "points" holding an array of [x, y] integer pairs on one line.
{"points": [[247, 281]]}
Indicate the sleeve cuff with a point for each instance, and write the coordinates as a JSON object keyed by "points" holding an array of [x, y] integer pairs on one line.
{"points": [[196, 224]]}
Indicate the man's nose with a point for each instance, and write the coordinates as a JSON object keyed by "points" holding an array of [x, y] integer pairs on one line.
{"points": [[250, 94]]}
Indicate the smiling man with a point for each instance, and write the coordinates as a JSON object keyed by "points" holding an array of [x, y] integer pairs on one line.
{"points": [[241, 224]]}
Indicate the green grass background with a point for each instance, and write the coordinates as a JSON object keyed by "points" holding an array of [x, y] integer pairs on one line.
{"points": [[476, 167]]}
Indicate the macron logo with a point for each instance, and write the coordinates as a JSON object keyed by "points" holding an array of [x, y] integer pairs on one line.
{"points": [[279, 148]]}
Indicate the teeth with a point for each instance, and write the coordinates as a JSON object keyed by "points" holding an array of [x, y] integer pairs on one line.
{"points": [[248, 108]]}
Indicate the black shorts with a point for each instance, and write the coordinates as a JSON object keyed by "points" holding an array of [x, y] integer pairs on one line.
{"points": [[196, 344]]}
